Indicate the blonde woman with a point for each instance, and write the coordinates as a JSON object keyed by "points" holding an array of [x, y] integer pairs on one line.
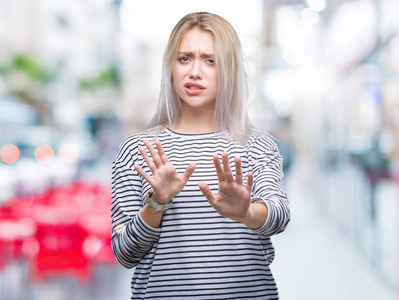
{"points": [[197, 196]]}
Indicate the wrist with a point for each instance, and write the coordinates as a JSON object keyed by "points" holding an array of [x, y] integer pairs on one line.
{"points": [[159, 199], [256, 215], [151, 217], [151, 200]]}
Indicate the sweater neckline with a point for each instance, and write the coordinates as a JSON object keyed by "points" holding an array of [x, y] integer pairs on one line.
{"points": [[192, 135]]}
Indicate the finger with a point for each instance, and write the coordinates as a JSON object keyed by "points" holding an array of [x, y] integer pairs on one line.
{"points": [[143, 173], [161, 152], [207, 192], [226, 168], [154, 154], [239, 178], [148, 160], [250, 182], [219, 169], [189, 171]]}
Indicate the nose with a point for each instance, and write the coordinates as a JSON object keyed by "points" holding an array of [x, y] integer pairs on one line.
{"points": [[195, 72]]}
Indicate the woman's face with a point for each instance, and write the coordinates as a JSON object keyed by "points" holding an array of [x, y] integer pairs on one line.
{"points": [[195, 77]]}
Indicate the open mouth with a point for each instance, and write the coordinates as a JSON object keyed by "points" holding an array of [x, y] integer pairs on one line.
{"points": [[194, 86]]}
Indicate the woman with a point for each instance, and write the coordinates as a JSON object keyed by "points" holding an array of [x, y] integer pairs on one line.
{"points": [[196, 197]]}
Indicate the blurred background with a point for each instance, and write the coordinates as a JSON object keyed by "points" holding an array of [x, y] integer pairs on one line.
{"points": [[77, 77]]}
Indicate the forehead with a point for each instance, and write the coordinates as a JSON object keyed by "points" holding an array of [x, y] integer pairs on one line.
{"points": [[197, 39]]}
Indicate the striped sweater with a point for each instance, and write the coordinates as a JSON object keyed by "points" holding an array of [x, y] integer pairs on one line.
{"points": [[196, 253]]}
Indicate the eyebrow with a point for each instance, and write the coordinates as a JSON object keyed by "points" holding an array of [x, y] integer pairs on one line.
{"points": [[190, 53]]}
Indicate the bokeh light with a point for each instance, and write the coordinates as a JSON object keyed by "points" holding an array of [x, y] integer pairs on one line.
{"points": [[317, 5], [44, 154], [310, 16], [68, 153], [9, 153]]}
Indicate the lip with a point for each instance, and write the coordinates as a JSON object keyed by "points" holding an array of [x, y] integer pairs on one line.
{"points": [[193, 88]]}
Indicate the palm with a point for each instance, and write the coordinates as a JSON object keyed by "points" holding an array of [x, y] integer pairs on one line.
{"points": [[233, 198], [232, 201], [165, 181]]}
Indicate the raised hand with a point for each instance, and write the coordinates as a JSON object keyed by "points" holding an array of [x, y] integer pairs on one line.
{"points": [[166, 183], [233, 198]]}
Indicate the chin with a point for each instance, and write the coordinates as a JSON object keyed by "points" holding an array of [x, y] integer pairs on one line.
{"points": [[199, 103]]}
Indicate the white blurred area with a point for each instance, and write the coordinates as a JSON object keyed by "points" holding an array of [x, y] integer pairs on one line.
{"points": [[76, 77]]}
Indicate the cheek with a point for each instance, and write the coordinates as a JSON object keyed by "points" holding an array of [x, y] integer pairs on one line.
{"points": [[174, 75], [175, 78], [215, 81], [176, 83]]}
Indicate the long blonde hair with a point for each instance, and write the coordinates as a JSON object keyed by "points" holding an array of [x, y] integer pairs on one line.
{"points": [[230, 112]]}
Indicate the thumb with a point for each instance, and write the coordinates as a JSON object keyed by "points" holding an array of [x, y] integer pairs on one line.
{"points": [[189, 171], [207, 192]]}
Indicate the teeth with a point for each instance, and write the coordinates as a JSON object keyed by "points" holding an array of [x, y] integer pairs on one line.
{"points": [[194, 88]]}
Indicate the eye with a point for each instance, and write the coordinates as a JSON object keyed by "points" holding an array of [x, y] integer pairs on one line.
{"points": [[184, 59], [211, 61]]}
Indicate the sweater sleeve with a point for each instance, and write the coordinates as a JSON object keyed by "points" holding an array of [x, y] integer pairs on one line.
{"points": [[132, 238], [267, 168]]}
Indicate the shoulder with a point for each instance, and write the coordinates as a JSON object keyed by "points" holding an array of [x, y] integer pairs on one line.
{"points": [[260, 140], [129, 146]]}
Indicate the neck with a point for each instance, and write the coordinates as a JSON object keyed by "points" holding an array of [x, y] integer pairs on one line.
{"points": [[194, 121]]}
